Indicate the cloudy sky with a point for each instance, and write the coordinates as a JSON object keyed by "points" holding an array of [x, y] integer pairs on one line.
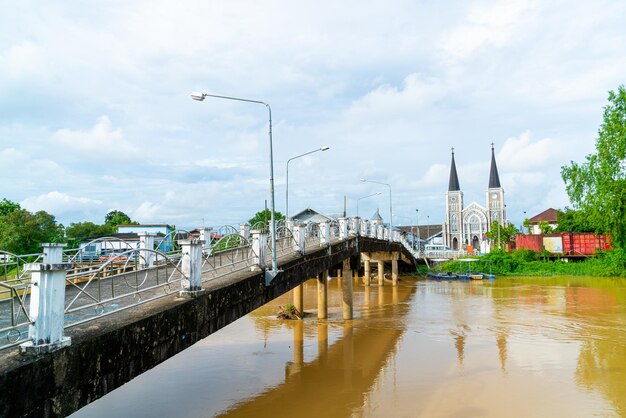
{"points": [[96, 114]]}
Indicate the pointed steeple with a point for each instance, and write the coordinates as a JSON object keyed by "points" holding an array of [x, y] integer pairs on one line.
{"points": [[494, 178], [453, 185]]}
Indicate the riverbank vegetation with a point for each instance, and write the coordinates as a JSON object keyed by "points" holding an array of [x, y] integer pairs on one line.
{"points": [[530, 263]]}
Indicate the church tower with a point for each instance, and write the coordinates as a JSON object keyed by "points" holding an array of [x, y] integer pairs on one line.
{"points": [[454, 210], [495, 194]]}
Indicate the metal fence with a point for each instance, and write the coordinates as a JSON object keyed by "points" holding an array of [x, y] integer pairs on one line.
{"points": [[124, 276]]}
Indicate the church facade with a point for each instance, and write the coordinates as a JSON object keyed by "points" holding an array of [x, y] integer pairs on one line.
{"points": [[466, 225]]}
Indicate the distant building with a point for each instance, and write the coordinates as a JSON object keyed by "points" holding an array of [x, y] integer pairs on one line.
{"points": [[467, 225], [309, 215], [163, 233], [550, 216]]}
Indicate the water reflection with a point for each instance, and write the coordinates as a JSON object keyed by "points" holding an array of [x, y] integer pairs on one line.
{"points": [[511, 347], [335, 382]]}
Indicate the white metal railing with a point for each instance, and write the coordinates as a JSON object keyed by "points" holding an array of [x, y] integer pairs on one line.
{"points": [[122, 275]]}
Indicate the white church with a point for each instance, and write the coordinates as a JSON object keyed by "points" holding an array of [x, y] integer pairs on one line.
{"points": [[466, 225]]}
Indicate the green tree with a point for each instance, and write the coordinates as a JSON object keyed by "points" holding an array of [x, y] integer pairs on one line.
{"points": [[265, 217], [571, 220], [527, 225], [505, 234], [79, 232], [597, 187], [22, 232], [6, 207]]}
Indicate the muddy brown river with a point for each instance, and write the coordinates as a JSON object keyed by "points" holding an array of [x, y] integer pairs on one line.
{"points": [[513, 347]]}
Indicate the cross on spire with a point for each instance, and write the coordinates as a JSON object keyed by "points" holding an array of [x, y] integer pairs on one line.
{"points": [[452, 150]]}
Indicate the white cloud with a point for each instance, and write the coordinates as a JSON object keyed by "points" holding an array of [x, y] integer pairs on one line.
{"points": [[23, 61], [58, 203], [521, 153], [101, 140], [489, 24]]}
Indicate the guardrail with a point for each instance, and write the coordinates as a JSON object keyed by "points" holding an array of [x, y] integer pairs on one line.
{"points": [[119, 280]]}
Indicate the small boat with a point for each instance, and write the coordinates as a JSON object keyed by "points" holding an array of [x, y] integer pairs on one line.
{"points": [[476, 276], [442, 276]]}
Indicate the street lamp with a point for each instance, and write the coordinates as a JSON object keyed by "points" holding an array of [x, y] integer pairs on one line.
{"points": [[390, 209], [364, 197], [325, 148], [200, 97], [417, 226]]}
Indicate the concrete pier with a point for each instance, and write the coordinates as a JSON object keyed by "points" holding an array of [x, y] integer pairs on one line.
{"points": [[381, 273], [322, 295], [347, 290], [298, 298]]}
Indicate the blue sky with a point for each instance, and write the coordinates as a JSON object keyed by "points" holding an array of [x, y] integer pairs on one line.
{"points": [[96, 114]]}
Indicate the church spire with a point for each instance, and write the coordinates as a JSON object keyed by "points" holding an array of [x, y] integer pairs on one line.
{"points": [[453, 185], [494, 178]]}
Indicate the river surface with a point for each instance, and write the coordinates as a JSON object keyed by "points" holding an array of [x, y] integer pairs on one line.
{"points": [[521, 347]]}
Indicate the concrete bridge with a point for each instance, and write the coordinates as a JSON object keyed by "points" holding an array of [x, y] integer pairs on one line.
{"points": [[75, 331]]}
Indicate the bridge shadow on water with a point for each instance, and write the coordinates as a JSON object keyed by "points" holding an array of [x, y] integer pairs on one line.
{"points": [[337, 381]]}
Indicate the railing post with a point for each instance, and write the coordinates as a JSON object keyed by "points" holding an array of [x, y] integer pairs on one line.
{"points": [[259, 245], [244, 231], [191, 267], [146, 245], [364, 227], [205, 236], [373, 230], [289, 223], [299, 231], [324, 234], [380, 231], [354, 226], [47, 303], [343, 228]]}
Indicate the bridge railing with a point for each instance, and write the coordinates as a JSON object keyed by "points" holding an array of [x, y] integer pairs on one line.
{"points": [[124, 275], [229, 254]]}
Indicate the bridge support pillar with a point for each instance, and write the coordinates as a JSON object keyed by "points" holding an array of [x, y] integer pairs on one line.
{"points": [[381, 273], [146, 245], [191, 264], [298, 298], [366, 272], [394, 269], [347, 290], [47, 303], [322, 295]]}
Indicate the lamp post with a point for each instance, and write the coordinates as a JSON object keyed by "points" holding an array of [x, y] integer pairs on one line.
{"points": [[390, 208], [200, 97], [417, 226], [364, 197], [325, 148], [428, 228]]}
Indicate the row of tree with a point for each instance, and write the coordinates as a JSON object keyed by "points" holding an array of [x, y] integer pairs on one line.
{"points": [[23, 232]]}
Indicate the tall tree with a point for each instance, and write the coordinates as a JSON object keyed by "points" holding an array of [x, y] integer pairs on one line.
{"points": [[597, 187]]}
